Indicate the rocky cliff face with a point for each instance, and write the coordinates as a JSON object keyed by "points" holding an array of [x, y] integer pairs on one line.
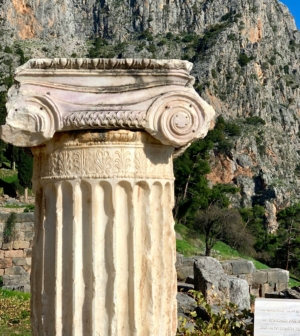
{"points": [[246, 63]]}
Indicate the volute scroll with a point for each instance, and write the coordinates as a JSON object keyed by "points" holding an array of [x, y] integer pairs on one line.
{"points": [[179, 117]]}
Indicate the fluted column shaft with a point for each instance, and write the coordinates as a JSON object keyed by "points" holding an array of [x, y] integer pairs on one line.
{"points": [[104, 252]]}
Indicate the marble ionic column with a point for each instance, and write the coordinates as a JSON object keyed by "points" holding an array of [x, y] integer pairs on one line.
{"points": [[103, 133], [104, 252]]}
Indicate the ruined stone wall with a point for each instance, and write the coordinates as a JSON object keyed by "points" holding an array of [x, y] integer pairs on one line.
{"points": [[261, 282], [15, 256]]}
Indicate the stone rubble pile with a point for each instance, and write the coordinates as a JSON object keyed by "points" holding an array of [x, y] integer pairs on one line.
{"points": [[231, 280]]}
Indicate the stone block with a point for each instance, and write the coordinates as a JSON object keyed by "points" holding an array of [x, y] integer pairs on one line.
{"points": [[5, 262], [15, 270], [22, 288], [1, 254], [242, 266], [1, 271], [227, 267], [277, 275], [27, 268], [29, 235], [16, 280], [292, 294], [247, 277], [19, 235], [209, 264], [21, 244], [281, 286], [259, 278], [25, 218], [255, 291], [11, 280], [188, 262], [179, 258], [14, 254], [210, 279], [296, 288], [7, 246], [239, 292], [28, 253], [19, 261], [266, 288], [185, 304], [183, 272]]}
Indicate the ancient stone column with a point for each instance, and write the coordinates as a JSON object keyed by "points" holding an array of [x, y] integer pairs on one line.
{"points": [[103, 133]]}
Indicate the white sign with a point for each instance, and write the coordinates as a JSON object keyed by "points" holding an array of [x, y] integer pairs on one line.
{"points": [[277, 317]]}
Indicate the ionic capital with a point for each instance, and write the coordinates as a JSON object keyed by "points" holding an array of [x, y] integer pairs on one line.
{"points": [[53, 95]]}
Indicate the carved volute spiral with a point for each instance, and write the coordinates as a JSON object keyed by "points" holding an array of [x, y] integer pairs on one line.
{"points": [[177, 118]]}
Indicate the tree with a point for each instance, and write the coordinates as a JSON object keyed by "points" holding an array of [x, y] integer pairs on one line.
{"points": [[12, 154], [287, 254], [191, 183], [25, 167], [254, 219], [221, 224], [192, 191]]}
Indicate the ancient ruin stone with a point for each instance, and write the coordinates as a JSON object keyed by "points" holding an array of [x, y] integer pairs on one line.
{"points": [[103, 133]]}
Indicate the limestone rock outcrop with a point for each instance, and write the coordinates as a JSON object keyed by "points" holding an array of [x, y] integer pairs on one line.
{"points": [[246, 56]]}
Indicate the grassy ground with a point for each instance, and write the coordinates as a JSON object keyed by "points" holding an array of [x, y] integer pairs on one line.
{"points": [[8, 175], [193, 244], [9, 182], [14, 313]]}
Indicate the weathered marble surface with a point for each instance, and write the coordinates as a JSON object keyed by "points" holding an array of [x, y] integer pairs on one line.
{"points": [[69, 94], [103, 133], [106, 236]]}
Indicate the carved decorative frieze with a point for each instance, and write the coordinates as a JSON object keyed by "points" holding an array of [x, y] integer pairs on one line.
{"points": [[89, 156], [105, 119], [107, 64]]}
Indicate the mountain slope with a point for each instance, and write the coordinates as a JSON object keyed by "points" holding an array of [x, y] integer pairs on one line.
{"points": [[246, 63]]}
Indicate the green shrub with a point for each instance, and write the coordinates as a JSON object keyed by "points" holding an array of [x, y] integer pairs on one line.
{"points": [[255, 121], [286, 69], [189, 38], [146, 35], [210, 37], [214, 73], [9, 228], [243, 60], [227, 16], [161, 43], [169, 35], [232, 129], [232, 37], [229, 321], [8, 50], [272, 60], [151, 48], [29, 208], [224, 147]]}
